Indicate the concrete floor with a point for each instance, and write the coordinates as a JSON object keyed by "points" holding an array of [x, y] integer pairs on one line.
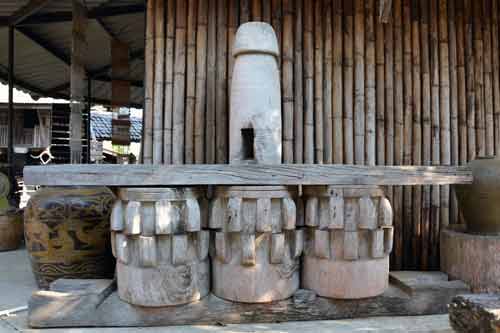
{"points": [[17, 284]]}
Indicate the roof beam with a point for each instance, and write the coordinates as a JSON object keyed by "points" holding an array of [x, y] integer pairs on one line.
{"points": [[26, 11], [95, 13], [45, 45]]}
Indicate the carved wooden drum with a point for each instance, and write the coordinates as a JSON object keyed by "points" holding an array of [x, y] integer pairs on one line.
{"points": [[257, 248], [348, 241], [160, 245]]}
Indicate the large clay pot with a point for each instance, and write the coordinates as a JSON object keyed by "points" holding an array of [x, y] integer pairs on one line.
{"points": [[67, 233], [11, 230], [479, 202]]}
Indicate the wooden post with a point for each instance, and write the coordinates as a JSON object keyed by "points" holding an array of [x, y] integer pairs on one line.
{"points": [[348, 80], [257, 10], [452, 37], [488, 77], [78, 57], [147, 132], [298, 104], [370, 84], [159, 81], [201, 79], [479, 78], [338, 87], [245, 11], [287, 82], [10, 114], [359, 79]]}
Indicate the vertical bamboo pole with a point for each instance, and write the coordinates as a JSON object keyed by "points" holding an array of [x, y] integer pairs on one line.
{"points": [[407, 126], [257, 10], [169, 83], [287, 82], [398, 132], [266, 11], [348, 80], [496, 74], [444, 106], [435, 138], [470, 85], [308, 82], [479, 78], [426, 129], [190, 82], [147, 140], [276, 21], [337, 126], [159, 82], [417, 131], [359, 79], [201, 79], [488, 77], [318, 81], [370, 83], [232, 27], [461, 82], [380, 86], [298, 86], [245, 11], [327, 83], [211, 83], [454, 150], [178, 118], [221, 85], [389, 97]]}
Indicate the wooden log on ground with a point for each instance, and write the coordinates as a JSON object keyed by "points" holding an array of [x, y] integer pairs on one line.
{"points": [[228, 174]]}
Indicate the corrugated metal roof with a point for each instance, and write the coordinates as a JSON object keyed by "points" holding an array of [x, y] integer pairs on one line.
{"points": [[101, 126], [42, 51]]}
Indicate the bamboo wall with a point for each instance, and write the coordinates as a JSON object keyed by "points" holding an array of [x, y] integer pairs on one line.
{"points": [[423, 88]]}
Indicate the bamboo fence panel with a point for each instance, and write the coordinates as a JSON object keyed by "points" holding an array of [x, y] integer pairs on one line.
{"points": [[423, 88]]}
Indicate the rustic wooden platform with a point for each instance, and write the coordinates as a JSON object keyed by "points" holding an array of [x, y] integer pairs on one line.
{"points": [[74, 303], [251, 174]]}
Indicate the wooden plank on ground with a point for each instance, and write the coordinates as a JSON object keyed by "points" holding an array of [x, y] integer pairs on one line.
{"points": [[224, 174]]}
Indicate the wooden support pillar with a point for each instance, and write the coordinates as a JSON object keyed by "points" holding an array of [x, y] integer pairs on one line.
{"points": [[10, 115], [120, 96], [78, 55], [89, 118]]}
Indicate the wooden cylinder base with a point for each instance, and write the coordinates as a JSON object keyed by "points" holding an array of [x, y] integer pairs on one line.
{"points": [[160, 246], [256, 247], [348, 241]]}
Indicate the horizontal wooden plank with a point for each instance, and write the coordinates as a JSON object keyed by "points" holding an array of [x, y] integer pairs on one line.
{"points": [[228, 174]]}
